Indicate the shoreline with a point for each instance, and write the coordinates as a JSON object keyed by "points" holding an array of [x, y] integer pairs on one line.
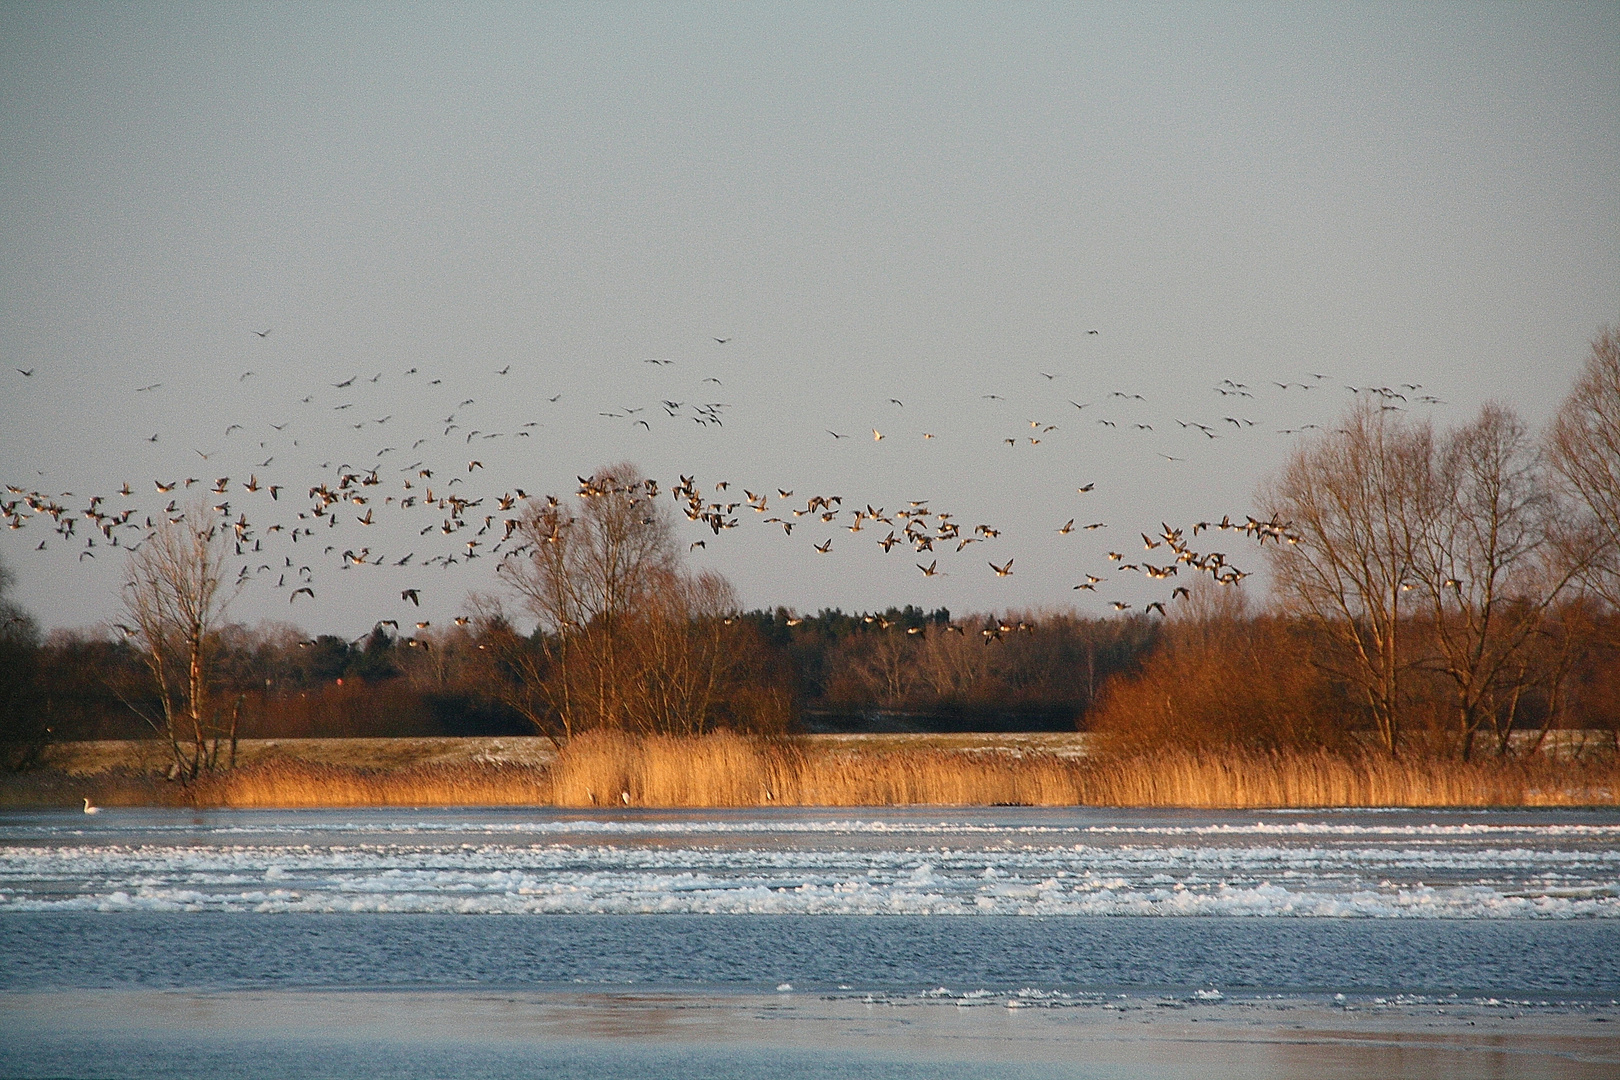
{"points": [[87, 758], [715, 771]]}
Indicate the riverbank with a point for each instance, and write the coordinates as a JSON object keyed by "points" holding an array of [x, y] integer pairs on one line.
{"points": [[1038, 769], [85, 759]]}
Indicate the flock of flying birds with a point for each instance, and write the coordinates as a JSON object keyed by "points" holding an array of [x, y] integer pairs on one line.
{"points": [[288, 532]]}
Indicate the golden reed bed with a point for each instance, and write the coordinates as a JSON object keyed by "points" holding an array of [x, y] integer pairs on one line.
{"points": [[730, 771]]}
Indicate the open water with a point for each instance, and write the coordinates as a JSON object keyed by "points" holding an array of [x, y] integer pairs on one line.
{"points": [[809, 943]]}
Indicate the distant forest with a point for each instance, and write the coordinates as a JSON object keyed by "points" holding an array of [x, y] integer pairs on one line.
{"points": [[901, 669]]}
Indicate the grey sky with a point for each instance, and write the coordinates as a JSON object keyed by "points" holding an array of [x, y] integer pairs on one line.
{"points": [[929, 203]]}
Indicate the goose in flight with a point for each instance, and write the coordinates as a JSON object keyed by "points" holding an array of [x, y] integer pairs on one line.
{"points": [[262, 334], [824, 548], [1003, 571]]}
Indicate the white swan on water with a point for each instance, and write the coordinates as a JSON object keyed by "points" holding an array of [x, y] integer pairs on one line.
{"points": [[91, 809]]}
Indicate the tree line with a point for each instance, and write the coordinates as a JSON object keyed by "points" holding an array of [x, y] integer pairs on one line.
{"points": [[1433, 591], [763, 671]]}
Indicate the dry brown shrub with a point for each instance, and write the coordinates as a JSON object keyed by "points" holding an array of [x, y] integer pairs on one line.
{"points": [[1237, 684]]}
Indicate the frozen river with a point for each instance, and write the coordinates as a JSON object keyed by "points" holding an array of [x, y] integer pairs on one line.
{"points": [[873, 943]]}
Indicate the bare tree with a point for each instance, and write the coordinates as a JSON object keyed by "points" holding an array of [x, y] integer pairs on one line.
{"points": [[1488, 564], [583, 572], [682, 660], [885, 663], [953, 665], [176, 593], [516, 672], [1356, 499], [22, 731], [1584, 448], [626, 638]]}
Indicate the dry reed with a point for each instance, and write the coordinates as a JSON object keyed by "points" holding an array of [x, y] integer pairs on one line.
{"points": [[606, 769], [299, 784]]}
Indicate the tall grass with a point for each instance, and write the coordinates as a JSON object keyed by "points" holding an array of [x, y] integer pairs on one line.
{"points": [[607, 769], [1321, 779], [300, 784]]}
